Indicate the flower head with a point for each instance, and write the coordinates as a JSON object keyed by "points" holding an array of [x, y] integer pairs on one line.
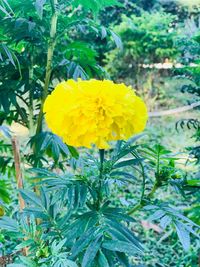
{"points": [[94, 112]]}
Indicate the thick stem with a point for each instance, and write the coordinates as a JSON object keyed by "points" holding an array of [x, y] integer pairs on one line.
{"points": [[51, 46], [101, 154]]}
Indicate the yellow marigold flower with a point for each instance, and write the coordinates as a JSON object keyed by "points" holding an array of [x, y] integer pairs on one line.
{"points": [[94, 112]]}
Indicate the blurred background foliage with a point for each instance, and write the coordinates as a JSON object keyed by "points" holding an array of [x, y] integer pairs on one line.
{"points": [[153, 45]]}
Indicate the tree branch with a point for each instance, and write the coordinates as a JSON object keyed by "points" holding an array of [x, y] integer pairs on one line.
{"points": [[50, 51]]}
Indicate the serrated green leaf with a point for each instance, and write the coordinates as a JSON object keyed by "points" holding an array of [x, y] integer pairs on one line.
{"points": [[91, 251], [126, 232], [157, 215], [8, 53], [183, 234], [24, 244], [37, 212], [9, 224], [117, 40], [125, 163], [165, 221], [75, 229], [82, 242], [125, 151], [26, 261], [46, 141], [30, 197], [121, 246], [44, 198], [83, 195], [116, 235], [123, 259], [39, 4], [76, 196], [117, 214], [123, 174], [73, 152], [102, 260]]}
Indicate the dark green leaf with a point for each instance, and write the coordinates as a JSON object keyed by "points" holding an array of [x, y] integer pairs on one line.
{"points": [[123, 259]]}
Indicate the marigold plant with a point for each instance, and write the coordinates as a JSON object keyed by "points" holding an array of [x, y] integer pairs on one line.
{"points": [[94, 112]]}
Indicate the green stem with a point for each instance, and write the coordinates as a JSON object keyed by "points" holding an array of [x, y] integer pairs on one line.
{"points": [[31, 123], [143, 176], [143, 182], [141, 204], [151, 194], [101, 154], [158, 165], [135, 208], [50, 51], [153, 190]]}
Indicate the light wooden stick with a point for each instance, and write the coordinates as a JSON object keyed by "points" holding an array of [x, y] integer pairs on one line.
{"points": [[18, 172]]}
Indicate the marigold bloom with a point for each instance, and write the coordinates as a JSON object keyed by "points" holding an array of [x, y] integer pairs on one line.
{"points": [[94, 112]]}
